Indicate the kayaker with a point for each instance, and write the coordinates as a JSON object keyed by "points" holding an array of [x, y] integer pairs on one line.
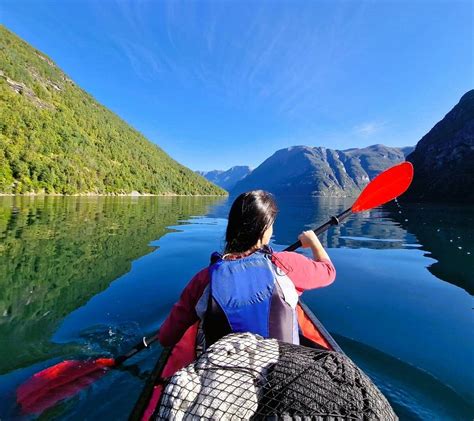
{"points": [[250, 287]]}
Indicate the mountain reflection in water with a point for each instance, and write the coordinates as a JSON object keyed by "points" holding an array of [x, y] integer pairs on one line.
{"points": [[446, 232], [89, 276], [58, 252]]}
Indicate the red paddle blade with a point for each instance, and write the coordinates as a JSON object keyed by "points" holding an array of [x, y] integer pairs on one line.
{"points": [[387, 186], [46, 388]]}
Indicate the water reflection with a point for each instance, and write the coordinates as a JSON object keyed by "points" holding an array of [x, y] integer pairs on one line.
{"points": [[56, 253], [372, 229], [446, 232], [58, 257]]}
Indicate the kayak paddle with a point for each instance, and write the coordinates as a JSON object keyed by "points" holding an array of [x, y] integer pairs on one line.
{"points": [[63, 380], [387, 186]]}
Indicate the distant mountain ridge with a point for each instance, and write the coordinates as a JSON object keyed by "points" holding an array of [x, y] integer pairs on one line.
{"points": [[227, 179], [319, 171], [444, 158], [56, 138], [407, 150]]}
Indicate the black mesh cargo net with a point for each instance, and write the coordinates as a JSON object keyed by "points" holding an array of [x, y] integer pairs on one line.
{"points": [[243, 376]]}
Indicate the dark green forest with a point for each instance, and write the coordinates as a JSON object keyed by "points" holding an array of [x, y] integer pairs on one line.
{"points": [[55, 138]]}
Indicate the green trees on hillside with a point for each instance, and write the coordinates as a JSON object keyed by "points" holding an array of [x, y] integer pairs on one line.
{"points": [[55, 138]]}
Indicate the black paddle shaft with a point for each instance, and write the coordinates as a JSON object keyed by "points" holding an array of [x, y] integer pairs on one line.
{"points": [[335, 220], [145, 343]]}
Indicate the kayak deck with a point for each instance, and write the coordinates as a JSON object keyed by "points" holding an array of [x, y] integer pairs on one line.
{"points": [[312, 334], [243, 376]]}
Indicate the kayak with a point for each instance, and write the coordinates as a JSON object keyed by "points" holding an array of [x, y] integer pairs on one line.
{"points": [[367, 402], [316, 346]]}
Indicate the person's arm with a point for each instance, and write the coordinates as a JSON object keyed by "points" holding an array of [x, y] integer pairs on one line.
{"points": [[183, 314], [307, 273]]}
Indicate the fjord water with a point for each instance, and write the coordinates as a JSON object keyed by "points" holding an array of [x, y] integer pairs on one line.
{"points": [[90, 276]]}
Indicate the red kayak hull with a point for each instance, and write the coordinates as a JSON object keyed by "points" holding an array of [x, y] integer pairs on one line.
{"points": [[184, 353]]}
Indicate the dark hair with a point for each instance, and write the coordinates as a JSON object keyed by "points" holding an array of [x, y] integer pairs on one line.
{"points": [[249, 217]]}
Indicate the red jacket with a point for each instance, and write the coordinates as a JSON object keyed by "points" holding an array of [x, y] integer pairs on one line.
{"points": [[304, 272]]}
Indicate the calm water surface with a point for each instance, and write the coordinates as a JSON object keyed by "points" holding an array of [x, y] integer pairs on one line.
{"points": [[88, 276]]}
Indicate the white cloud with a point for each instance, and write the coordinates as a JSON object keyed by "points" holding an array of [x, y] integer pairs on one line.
{"points": [[369, 128]]}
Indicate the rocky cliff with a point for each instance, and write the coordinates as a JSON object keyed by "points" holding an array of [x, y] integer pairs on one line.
{"points": [[444, 158]]}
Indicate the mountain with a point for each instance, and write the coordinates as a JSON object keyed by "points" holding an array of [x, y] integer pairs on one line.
{"points": [[226, 179], [407, 150], [320, 171], [444, 158], [55, 138]]}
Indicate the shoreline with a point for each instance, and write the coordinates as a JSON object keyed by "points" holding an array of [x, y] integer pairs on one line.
{"points": [[109, 195]]}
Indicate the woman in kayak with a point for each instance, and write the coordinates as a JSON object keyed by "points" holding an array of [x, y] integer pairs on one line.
{"points": [[250, 288]]}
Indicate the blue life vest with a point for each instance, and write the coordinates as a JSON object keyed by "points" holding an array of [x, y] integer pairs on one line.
{"points": [[250, 295]]}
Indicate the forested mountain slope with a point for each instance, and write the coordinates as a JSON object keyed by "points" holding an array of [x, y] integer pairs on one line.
{"points": [[55, 138]]}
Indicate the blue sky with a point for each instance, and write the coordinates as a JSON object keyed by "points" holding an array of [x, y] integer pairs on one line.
{"points": [[223, 83]]}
